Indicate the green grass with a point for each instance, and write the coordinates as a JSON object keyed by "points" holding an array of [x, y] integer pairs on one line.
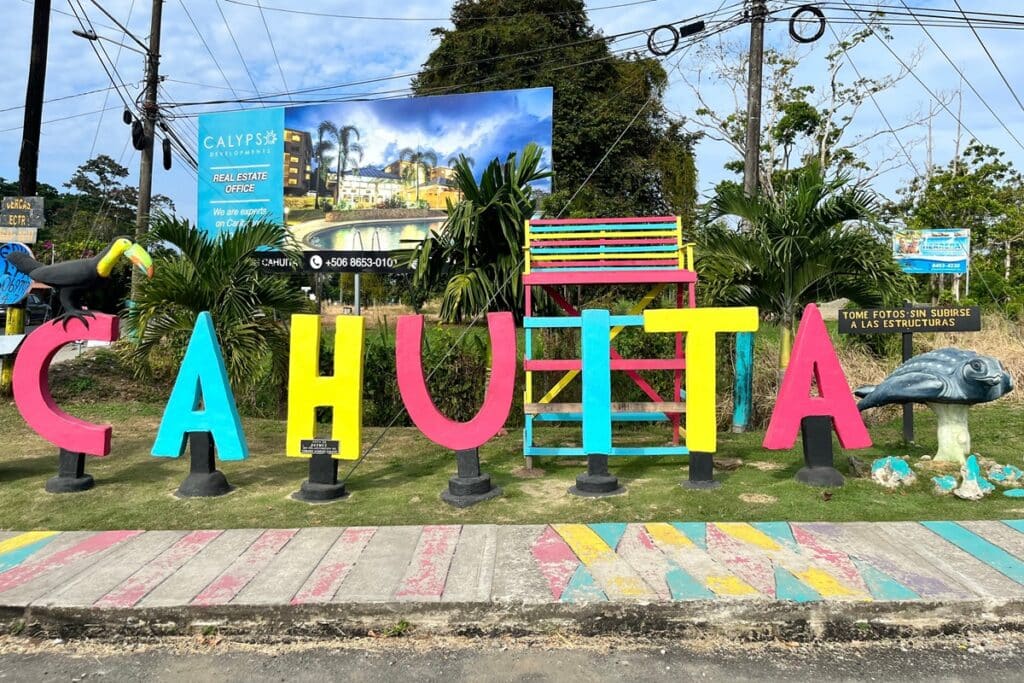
{"points": [[400, 482]]}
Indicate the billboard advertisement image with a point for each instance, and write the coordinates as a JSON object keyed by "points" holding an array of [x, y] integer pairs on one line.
{"points": [[932, 251], [355, 181]]}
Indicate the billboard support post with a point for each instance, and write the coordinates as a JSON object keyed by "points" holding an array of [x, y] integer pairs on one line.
{"points": [[355, 296]]}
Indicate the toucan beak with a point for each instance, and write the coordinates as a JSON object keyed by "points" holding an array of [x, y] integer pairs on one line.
{"points": [[141, 258]]}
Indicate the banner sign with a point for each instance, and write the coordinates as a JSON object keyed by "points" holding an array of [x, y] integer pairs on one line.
{"points": [[942, 318], [932, 251], [14, 284], [350, 178]]}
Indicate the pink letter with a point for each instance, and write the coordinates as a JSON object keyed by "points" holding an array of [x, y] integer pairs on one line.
{"points": [[31, 381], [813, 353], [489, 420]]}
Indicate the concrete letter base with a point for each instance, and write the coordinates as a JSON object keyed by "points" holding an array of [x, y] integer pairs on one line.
{"points": [[204, 480], [469, 486], [819, 468], [322, 485], [702, 472], [71, 476], [597, 482]]}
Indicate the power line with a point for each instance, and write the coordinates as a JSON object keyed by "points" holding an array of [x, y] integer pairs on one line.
{"points": [[103, 64], [208, 50], [64, 97], [227, 25], [970, 85], [270, 38], [498, 17], [990, 57], [65, 118]]}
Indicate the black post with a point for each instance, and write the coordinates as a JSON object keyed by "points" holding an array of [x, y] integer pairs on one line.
{"points": [[598, 481], [71, 476], [469, 486], [204, 480], [322, 485], [819, 466], [702, 472], [908, 408]]}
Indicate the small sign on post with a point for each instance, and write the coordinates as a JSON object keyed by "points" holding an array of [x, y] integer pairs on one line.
{"points": [[319, 447], [21, 218], [907, 321]]}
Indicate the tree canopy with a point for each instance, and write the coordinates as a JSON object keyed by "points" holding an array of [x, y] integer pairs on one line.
{"points": [[498, 44]]}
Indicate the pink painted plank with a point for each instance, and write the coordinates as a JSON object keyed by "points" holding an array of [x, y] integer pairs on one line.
{"points": [[839, 562], [226, 586], [556, 560], [153, 574], [606, 221], [602, 263], [552, 365], [538, 240], [608, 277], [428, 568], [323, 583], [748, 563], [94, 544]]}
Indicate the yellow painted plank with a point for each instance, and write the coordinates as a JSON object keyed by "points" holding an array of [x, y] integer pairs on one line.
{"points": [[827, 585], [748, 534], [729, 585], [599, 256], [22, 540], [571, 375], [592, 550], [667, 535]]}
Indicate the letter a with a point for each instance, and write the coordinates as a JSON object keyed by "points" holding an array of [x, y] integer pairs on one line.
{"points": [[458, 436], [201, 400], [32, 385], [814, 357], [343, 392]]}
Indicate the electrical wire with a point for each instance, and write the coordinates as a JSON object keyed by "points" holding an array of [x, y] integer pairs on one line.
{"points": [[270, 38], [209, 51], [231, 33], [63, 97], [990, 57]]}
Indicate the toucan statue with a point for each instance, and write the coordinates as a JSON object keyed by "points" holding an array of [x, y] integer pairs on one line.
{"points": [[72, 278]]}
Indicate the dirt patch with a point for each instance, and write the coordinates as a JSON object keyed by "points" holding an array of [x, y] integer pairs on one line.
{"points": [[766, 466], [545, 488], [758, 498], [528, 472]]}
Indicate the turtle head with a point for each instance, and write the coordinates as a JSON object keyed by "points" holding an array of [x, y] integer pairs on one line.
{"points": [[986, 377]]}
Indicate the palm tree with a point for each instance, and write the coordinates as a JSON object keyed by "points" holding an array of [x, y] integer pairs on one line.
{"points": [[218, 274], [417, 160], [452, 160], [324, 132], [346, 149], [811, 241], [477, 256]]}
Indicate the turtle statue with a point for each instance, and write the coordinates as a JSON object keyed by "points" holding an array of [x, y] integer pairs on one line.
{"points": [[948, 381]]}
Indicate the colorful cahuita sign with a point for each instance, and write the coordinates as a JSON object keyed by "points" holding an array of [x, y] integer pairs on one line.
{"points": [[202, 401]]}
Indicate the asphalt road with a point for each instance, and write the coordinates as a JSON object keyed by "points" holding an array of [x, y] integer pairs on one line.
{"points": [[447, 659]]}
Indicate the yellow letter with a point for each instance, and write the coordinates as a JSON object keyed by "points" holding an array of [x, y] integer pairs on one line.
{"points": [[343, 392], [700, 326]]}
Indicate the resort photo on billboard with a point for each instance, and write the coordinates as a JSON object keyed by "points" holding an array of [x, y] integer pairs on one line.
{"points": [[357, 177]]}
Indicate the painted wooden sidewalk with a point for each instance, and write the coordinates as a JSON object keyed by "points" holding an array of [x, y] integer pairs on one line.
{"points": [[567, 563]]}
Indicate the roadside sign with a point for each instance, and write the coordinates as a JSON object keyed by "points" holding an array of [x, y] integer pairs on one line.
{"points": [[21, 218], [941, 318], [14, 284]]}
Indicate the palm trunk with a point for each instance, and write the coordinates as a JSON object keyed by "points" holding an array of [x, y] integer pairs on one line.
{"points": [[953, 435], [785, 345]]}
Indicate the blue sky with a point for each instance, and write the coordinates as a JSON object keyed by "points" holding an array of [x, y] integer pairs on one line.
{"points": [[317, 51], [480, 125]]}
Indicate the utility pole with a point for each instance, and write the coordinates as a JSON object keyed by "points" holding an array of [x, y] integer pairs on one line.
{"points": [[28, 159], [743, 389], [149, 116], [758, 10]]}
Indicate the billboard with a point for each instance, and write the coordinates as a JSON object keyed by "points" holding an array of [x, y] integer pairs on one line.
{"points": [[932, 251], [356, 181]]}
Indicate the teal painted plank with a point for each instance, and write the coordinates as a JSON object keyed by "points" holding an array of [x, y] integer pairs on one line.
{"points": [[13, 558], [535, 321], [682, 586], [553, 451], [695, 531], [743, 388], [1017, 524], [616, 417], [983, 550], [598, 250], [610, 532], [583, 588], [788, 587], [597, 227], [882, 586], [631, 451], [779, 531], [597, 382]]}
